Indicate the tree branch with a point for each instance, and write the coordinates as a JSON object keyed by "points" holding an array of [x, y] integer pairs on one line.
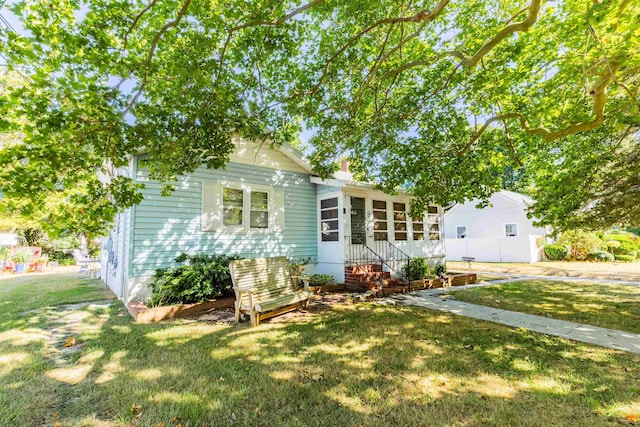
{"points": [[424, 16], [599, 94], [522, 26], [279, 21], [152, 49], [257, 23], [136, 20]]}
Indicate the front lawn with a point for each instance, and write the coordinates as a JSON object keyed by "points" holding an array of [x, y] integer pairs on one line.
{"points": [[351, 365], [605, 305]]}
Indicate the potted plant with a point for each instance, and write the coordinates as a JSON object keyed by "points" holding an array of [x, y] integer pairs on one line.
{"points": [[21, 258], [40, 262]]}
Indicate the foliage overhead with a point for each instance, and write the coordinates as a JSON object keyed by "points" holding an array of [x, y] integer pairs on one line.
{"points": [[439, 97]]}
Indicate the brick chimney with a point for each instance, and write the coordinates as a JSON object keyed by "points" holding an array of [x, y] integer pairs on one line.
{"points": [[344, 165]]}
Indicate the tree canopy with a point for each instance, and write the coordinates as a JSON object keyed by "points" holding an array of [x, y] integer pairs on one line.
{"points": [[439, 97]]}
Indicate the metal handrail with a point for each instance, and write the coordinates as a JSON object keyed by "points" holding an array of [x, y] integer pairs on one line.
{"points": [[385, 253]]}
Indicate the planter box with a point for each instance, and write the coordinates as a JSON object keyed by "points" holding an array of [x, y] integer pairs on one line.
{"points": [[143, 314], [433, 283], [461, 279], [416, 285]]}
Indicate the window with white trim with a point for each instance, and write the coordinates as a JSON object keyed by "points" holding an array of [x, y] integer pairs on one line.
{"points": [[433, 222], [232, 207], [329, 220], [244, 208], [511, 230], [400, 221], [461, 231], [380, 228], [241, 207]]}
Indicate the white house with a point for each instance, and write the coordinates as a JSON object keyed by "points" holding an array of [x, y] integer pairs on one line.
{"points": [[501, 232]]}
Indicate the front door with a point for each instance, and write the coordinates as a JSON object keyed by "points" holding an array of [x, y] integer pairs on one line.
{"points": [[356, 230], [358, 221]]}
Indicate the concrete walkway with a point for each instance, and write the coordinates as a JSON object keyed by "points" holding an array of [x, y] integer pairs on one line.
{"points": [[610, 338], [510, 277]]}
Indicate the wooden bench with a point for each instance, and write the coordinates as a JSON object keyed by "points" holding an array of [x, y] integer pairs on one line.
{"points": [[263, 288]]}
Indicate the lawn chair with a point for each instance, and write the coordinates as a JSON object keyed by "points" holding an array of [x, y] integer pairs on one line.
{"points": [[88, 265]]}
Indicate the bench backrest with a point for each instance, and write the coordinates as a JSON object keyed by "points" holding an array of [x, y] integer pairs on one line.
{"points": [[264, 277]]}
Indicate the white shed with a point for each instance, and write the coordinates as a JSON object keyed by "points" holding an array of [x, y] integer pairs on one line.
{"points": [[501, 232]]}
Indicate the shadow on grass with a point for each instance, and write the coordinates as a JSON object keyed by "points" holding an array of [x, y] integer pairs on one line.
{"points": [[609, 306], [363, 364]]}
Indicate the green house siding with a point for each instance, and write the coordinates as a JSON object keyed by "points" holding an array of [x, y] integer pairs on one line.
{"points": [[164, 227], [324, 189]]}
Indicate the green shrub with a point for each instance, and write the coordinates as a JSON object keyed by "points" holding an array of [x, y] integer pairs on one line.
{"points": [[202, 277], [625, 258], [296, 268], [320, 279], [612, 244], [626, 248], [441, 269], [555, 252], [600, 256], [416, 269], [5, 253], [580, 243], [622, 238], [62, 258]]}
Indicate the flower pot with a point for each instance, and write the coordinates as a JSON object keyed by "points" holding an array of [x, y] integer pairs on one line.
{"points": [[19, 268]]}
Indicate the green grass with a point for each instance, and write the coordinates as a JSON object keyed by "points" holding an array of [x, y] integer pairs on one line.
{"points": [[353, 365], [27, 292], [605, 305], [486, 277]]}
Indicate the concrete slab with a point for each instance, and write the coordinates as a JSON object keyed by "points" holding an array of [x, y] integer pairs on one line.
{"points": [[510, 277]]}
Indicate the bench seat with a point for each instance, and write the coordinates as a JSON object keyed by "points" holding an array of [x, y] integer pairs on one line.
{"points": [[264, 289]]}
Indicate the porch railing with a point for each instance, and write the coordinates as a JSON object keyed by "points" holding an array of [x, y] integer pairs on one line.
{"points": [[380, 252]]}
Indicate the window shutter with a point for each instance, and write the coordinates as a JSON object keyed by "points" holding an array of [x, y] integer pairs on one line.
{"points": [[211, 219], [278, 210]]}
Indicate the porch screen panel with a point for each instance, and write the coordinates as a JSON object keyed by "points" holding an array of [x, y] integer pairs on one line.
{"points": [[329, 220], [380, 228], [418, 228], [433, 222], [400, 221], [358, 226]]}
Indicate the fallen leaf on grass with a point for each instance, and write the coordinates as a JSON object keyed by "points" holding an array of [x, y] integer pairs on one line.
{"points": [[136, 410], [69, 342], [631, 418]]}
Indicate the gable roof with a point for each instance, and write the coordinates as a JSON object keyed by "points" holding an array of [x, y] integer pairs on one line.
{"points": [[519, 198], [296, 155]]}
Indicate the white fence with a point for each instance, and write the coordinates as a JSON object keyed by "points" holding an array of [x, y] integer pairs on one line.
{"points": [[495, 249]]}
